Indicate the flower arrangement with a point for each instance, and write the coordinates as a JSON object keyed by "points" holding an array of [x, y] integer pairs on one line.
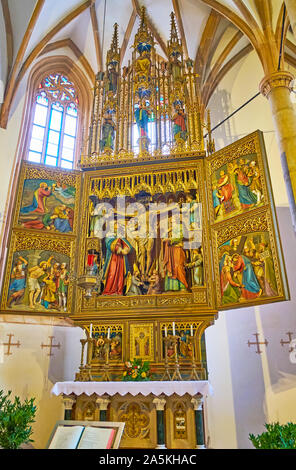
{"points": [[136, 370]]}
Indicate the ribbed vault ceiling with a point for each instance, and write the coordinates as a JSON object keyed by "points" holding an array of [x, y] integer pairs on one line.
{"points": [[215, 34]]}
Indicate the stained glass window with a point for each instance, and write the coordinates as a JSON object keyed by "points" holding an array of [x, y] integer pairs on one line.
{"points": [[55, 121]]}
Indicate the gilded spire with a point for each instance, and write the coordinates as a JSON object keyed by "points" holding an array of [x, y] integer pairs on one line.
{"points": [[174, 33], [114, 45], [113, 54], [143, 25], [174, 44], [143, 38]]}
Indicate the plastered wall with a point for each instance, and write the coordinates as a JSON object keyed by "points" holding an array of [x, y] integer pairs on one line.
{"points": [[30, 371], [252, 388]]}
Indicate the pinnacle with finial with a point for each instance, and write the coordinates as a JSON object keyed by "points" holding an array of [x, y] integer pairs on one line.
{"points": [[174, 33], [115, 38], [143, 17]]}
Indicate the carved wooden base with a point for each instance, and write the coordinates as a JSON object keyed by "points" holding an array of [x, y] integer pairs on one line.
{"points": [[140, 416]]}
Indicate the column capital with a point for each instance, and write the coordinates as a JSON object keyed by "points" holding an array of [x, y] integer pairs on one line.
{"points": [[159, 403], [197, 402], [68, 401], [275, 80], [102, 403]]}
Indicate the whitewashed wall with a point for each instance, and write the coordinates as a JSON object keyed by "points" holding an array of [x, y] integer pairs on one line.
{"points": [[30, 372], [249, 388]]}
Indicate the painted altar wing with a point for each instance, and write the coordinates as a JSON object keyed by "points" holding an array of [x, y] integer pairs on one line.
{"points": [[48, 199], [246, 252]]}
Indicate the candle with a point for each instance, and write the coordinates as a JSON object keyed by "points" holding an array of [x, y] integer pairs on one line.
{"points": [[90, 330], [174, 331], [191, 330], [165, 331], [108, 333]]}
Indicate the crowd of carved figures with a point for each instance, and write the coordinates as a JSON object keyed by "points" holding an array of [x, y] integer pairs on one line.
{"points": [[246, 268], [39, 281], [157, 102], [136, 265]]}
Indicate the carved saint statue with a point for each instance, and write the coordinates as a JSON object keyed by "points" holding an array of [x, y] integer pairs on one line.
{"points": [[179, 123], [108, 133]]}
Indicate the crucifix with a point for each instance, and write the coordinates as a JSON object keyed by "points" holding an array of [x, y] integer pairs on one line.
{"points": [[289, 333], [9, 344], [51, 345], [257, 343]]}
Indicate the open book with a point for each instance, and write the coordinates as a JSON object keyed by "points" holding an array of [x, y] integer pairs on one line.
{"points": [[82, 437]]}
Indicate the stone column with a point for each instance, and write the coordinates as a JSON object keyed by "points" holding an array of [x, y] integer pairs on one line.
{"points": [[68, 402], [277, 88], [159, 405], [197, 403], [103, 403]]}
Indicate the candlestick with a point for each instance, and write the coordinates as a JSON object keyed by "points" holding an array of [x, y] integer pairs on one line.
{"points": [[105, 376], [194, 374], [83, 343], [166, 375], [108, 336], [176, 374], [174, 331], [191, 330], [87, 368], [165, 331]]}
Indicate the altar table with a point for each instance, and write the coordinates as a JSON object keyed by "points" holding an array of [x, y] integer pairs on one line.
{"points": [[157, 414]]}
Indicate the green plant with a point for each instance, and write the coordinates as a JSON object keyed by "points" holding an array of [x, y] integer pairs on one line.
{"points": [[136, 371], [276, 436], [15, 421]]}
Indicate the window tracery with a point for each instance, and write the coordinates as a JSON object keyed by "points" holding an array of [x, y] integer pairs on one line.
{"points": [[55, 121]]}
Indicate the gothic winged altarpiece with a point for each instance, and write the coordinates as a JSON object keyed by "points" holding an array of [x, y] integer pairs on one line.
{"points": [[144, 164]]}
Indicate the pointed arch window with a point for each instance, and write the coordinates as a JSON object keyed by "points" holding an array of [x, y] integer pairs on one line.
{"points": [[55, 122]]}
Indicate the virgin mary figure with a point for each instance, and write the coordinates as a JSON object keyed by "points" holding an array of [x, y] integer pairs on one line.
{"points": [[116, 267], [250, 285]]}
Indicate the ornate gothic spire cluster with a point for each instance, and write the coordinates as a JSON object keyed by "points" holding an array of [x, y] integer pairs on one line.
{"points": [[150, 108]]}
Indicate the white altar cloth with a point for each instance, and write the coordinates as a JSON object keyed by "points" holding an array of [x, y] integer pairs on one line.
{"points": [[134, 388]]}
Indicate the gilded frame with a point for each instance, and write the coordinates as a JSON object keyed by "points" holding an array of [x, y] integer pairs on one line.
{"points": [[30, 171], [201, 299], [148, 330], [257, 219], [155, 327], [30, 240]]}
